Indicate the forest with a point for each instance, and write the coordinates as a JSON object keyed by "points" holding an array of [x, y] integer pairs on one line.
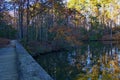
{"points": [[52, 26], [59, 23], [50, 22]]}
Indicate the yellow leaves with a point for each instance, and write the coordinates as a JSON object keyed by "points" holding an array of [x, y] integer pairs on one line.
{"points": [[115, 66], [35, 6], [95, 11], [31, 9], [93, 2], [38, 5], [117, 6], [76, 4], [93, 5], [105, 1], [71, 3], [107, 14]]}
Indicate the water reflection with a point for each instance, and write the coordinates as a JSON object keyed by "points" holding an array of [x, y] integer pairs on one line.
{"points": [[94, 61]]}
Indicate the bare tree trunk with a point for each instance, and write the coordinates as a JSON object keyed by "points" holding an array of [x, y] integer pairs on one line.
{"points": [[20, 19], [27, 20]]}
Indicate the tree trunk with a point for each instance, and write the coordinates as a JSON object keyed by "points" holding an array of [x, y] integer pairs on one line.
{"points": [[20, 20], [27, 20]]}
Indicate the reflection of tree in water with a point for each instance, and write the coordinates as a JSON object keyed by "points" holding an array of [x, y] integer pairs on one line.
{"points": [[93, 62], [107, 67]]}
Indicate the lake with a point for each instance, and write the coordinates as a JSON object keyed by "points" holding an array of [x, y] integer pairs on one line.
{"points": [[91, 61]]}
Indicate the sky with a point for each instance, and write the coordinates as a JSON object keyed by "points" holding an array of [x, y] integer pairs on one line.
{"points": [[8, 0], [12, 13]]}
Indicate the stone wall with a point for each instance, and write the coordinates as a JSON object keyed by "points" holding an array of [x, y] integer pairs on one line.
{"points": [[28, 68]]}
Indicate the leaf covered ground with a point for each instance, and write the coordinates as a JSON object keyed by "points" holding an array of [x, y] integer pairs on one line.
{"points": [[4, 42]]}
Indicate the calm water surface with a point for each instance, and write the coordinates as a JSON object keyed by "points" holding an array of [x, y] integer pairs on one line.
{"points": [[93, 61]]}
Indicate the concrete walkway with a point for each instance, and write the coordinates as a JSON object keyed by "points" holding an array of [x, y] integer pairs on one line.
{"points": [[17, 64], [8, 66]]}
